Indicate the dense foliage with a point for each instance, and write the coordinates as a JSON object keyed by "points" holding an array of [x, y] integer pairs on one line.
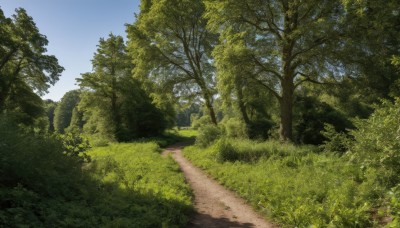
{"points": [[25, 69], [115, 107], [43, 185], [64, 110]]}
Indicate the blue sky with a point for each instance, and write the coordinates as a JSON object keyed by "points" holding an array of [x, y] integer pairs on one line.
{"points": [[73, 28]]}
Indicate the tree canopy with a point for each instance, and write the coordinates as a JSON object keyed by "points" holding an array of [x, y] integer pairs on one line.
{"points": [[169, 44], [115, 106], [24, 65], [282, 44]]}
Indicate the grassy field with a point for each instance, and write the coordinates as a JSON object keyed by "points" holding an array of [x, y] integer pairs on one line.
{"points": [[172, 136], [295, 186], [154, 190]]}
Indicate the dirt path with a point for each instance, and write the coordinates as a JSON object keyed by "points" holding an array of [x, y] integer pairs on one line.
{"points": [[215, 205]]}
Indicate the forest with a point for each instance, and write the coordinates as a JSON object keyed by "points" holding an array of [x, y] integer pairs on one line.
{"points": [[292, 104]]}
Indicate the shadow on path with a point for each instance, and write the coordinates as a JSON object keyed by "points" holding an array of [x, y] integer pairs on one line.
{"points": [[208, 221]]}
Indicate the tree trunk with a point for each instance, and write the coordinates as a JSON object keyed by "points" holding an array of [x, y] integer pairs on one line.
{"points": [[287, 85], [240, 102], [207, 97], [2, 100], [286, 107], [210, 108]]}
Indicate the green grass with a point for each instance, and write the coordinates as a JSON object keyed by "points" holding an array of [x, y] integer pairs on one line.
{"points": [[295, 186], [188, 133], [157, 194], [172, 136]]}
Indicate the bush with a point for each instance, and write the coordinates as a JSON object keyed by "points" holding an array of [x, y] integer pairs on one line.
{"points": [[260, 129], [376, 142], [225, 151], [234, 128], [395, 206], [198, 122], [207, 135], [35, 161], [310, 118], [337, 142], [75, 145]]}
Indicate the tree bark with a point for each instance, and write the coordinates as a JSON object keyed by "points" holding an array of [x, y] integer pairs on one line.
{"points": [[210, 108], [286, 108], [287, 84], [207, 97], [240, 102]]}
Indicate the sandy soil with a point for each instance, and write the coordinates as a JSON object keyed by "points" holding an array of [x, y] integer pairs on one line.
{"points": [[215, 205]]}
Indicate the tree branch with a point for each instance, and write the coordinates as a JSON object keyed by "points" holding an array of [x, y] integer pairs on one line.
{"points": [[266, 69], [267, 87], [308, 79]]}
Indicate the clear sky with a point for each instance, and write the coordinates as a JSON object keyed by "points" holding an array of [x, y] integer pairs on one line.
{"points": [[73, 28]]}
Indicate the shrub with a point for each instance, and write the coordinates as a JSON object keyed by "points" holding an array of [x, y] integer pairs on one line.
{"points": [[198, 122], [260, 129], [395, 206], [337, 142], [234, 128], [207, 135], [35, 161], [376, 142], [310, 117], [75, 145], [225, 151]]}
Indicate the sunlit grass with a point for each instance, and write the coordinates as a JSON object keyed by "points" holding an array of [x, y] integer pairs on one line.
{"points": [[296, 186], [139, 169], [189, 133]]}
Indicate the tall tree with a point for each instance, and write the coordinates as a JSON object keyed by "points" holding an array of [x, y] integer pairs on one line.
{"points": [[24, 66], [64, 110], [110, 64], [170, 44], [285, 41], [113, 102], [238, 89]]}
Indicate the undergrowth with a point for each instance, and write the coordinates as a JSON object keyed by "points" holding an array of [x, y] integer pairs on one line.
{"points": [[163, 196], [295, 186], [122, 185]]}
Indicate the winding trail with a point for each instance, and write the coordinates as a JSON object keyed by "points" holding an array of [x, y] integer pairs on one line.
{"points": [[215, 205]]}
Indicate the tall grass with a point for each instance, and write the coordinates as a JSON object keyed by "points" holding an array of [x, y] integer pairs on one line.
{"points": [[157, 192], [140, 168], [295, 186]]}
